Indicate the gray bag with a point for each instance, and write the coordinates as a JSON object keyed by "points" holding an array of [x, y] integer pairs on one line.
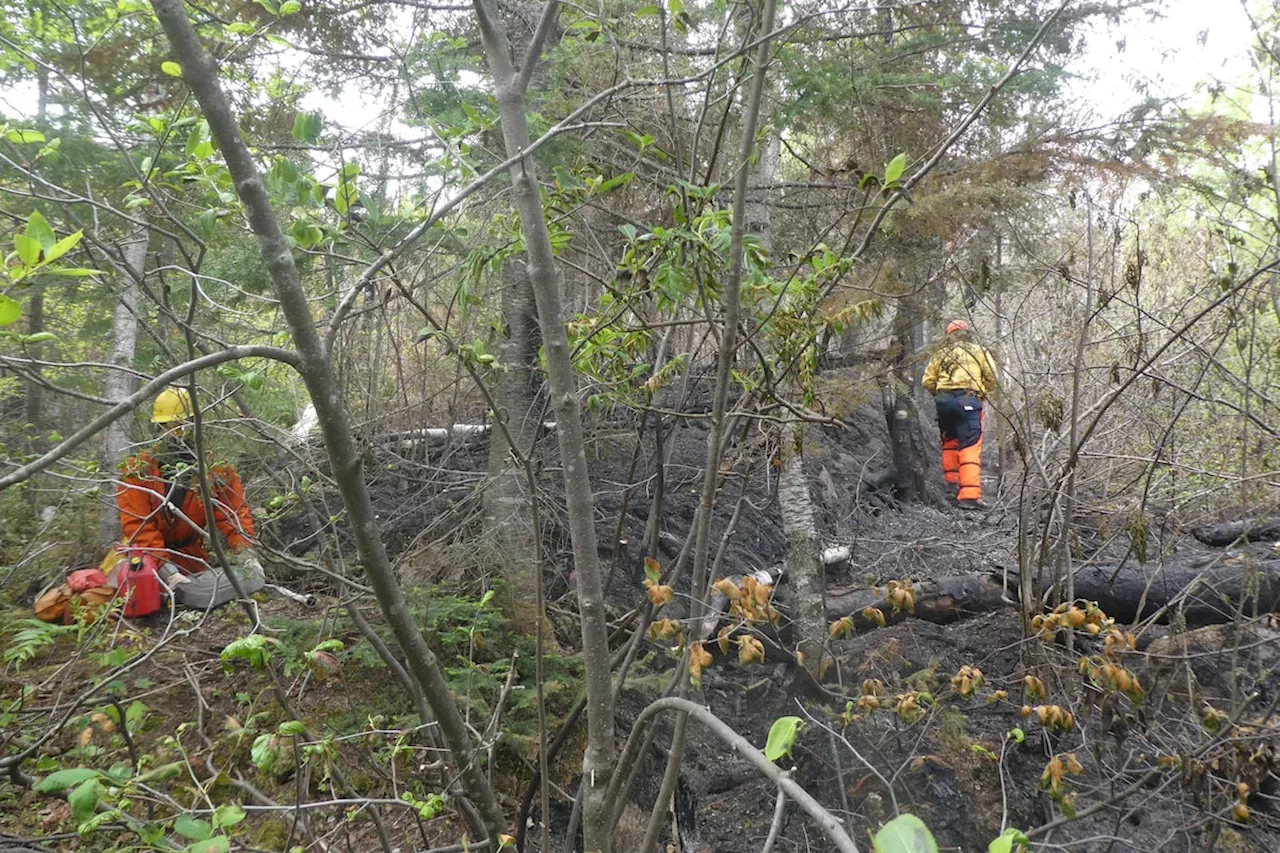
{"points": [[212, 587]]}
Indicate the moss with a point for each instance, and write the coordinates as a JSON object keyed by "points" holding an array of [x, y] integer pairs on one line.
{"points": [[271, 834], [924, 680], [953, 732]]}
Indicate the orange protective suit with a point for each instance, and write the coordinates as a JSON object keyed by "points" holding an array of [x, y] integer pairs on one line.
{"points": [[151, 524]]}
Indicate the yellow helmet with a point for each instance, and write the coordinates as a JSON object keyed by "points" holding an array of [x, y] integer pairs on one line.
{"points": [[172, 404]]}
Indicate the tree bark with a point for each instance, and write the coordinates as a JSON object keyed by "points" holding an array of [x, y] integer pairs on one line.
{"points": [[508, 517], [601, 751], [1206, 590], [901, 415], [804, 593], [201, 75], [124, 344], [1252, 530], [33, 400]]}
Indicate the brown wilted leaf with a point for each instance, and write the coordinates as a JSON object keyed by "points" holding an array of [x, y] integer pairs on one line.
{"points": [[699, 658], [728, 588], [750, 649], [324, 666], [659, 594], [55, 816]]}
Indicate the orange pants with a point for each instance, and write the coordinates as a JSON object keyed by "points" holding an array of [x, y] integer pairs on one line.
{"points": [[960, 423]]}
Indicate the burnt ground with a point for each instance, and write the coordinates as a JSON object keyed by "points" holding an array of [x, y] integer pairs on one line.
{"points": [[1170, 776]]}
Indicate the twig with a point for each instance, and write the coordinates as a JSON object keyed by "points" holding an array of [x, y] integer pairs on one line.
{"points": [[775, 828]]}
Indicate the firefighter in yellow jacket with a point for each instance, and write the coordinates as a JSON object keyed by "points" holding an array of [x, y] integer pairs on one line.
{"points": [[961, 376]]}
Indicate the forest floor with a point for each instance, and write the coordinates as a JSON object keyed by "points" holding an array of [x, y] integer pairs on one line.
{"points": [[1156, 770]]}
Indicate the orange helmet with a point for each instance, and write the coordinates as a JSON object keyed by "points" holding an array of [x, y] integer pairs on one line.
{"points": [[957, 326]]}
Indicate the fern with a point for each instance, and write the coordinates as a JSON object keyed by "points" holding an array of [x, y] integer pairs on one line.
{"points": [[29, 637]]}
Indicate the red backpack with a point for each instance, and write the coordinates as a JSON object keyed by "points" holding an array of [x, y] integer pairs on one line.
{"points": [[139, 586]]}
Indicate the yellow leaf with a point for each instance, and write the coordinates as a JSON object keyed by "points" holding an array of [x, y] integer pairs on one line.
{"points": [[750, 649], [728, 588]]}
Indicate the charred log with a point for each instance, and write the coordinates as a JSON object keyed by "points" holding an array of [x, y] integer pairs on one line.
{"points": [[1249, 530], [941, 601]]}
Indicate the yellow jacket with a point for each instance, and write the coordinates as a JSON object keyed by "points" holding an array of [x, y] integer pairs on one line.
{"points": [[961, 365]]}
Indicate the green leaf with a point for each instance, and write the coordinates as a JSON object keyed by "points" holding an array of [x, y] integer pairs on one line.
{"points": [[197, 135], [336, 645], [173, 69], [39, 338], [616, 182], [1007, 841], [9, 311], [90, 826], [38, 229], [252, 649], [905, 834], [72, 272], [217, 844], [23, 136], [192, 829], [290, 7], [647, 11], [782, 737], [63, 779], [60, 248], [207, 220], [307, 126], [228, 815], [1017, 734], [265, 751], [84, 800], [346, 196], [893, 172], [292, 728], [28, 249]]}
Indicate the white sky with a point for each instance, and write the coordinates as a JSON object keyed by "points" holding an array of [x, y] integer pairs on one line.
{"points": [[1189, 42]]}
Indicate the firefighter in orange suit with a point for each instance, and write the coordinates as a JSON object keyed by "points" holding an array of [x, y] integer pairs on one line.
{"points": [[961, 376], [164, 519]]}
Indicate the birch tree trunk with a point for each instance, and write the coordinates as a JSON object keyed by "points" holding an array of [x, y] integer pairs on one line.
{"points": [[316, 370], [509, 88], [508, 516], [795, 503], [124, 344], [804, 554]]}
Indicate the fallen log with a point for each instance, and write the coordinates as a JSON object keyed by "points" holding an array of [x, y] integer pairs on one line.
{"points": [[1207, 590], [942, 601], [1249, 530]]}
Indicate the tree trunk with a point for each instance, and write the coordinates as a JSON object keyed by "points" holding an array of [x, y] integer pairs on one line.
{"points": [[508, 516], [33, 401], [601, 751], [901, 415], [804, 593], [124, 344], [201, 75]]}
